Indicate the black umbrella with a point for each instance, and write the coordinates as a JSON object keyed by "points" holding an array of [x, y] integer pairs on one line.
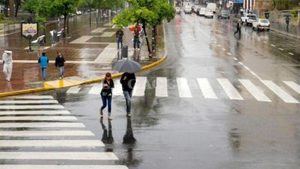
{"points": [[127, 65]]}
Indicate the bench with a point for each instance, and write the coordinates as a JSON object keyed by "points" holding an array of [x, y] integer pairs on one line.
{"points": [[40, 40]]}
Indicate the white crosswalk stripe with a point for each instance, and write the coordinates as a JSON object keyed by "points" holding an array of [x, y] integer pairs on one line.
{"points": [[161, 89], [229, 89], [49, 133], [51, 143], [37, 112], [206, 89], [280, 92], [254, 91], [96, 89], [34, 112], [140, 86], [58, 155], [73, 90], [28, 102], [293, 86], [30, 107], [42, 125], [183, 88], [62, 167]]}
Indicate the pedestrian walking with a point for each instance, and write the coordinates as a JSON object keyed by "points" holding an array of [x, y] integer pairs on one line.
{"points": [[119, 37], [136, 38], [7, 64], [238, 28], [43, 61], [60, 65], [128, 81], [106, 94]]}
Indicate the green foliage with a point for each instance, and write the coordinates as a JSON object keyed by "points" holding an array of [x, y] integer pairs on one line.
{"points": [[151, 12], [284, 4]]}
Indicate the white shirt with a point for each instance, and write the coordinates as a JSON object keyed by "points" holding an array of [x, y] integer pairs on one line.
{"points": [[7, 57]]}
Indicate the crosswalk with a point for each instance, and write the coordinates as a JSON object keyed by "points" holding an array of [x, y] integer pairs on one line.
{"points": [[214, 89], [32, 127]]}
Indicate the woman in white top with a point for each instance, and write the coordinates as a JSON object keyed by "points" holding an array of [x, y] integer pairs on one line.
{"points": [[7, 64]]}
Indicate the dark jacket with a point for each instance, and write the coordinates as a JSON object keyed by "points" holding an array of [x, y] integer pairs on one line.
{"points": [[128, 81], [59, 61], [107, 90], [119, 34]]}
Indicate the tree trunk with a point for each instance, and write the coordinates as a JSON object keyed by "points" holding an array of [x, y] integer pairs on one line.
{"points": [[147, 40], [90, 17], [17, 6], [66, 28], [154, 39], [11, 7]]}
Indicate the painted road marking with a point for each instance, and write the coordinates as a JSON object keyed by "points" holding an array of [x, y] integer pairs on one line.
{"points": [[183, 88], [206, 88], [63, 167], [96, 89], [273, 45], [140, 86], [73, 90], [38, 112], [41, 125], [161, 89], [51, 143], [234, 58], [254, 91], [280, 92], [229, 54], [58, 156], [47, 133], [117, 91], [28, 102], [30, 107], [291, 53], [293, 86], [38, 118], [229, 89], [281, 49], [33, 97]]}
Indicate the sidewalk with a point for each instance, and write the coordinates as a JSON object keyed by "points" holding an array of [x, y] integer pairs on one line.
{"points": [[89, 55], [281, 28]]}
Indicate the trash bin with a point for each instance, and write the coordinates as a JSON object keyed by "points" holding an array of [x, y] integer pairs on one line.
{"points": [[124, 52]]}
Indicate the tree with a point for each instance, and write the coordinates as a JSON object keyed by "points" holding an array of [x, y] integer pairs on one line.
{"points": [[90, 4], [148, 12], [64, 7]]}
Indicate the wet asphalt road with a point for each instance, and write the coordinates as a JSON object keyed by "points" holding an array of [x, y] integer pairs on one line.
{"points": [[200, 133]]}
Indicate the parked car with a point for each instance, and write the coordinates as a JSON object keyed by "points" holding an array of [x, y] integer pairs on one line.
{"points": [[202, 11], [178, 10], [212, 7], [248, 19], [209, 13], [187, 9], [224, 14], [261, 24]]}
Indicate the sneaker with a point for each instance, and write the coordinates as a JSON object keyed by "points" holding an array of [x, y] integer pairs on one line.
{"points": [[129, 114], [109, 118], [101, 113]]}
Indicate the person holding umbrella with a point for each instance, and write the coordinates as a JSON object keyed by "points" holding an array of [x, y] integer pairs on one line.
{"points": [[128, 79], [106, 94]]}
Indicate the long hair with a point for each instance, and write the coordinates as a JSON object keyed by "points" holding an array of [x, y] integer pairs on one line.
{"points": [[107, 75]]}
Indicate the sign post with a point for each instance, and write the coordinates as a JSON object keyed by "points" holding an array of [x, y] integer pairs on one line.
{"points": [[29, 30]]}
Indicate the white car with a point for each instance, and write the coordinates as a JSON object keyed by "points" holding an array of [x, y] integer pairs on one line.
{"points": [[261, 24], [178, 10], [209, 13], [187, 9], [202, 11], [248, 19]]}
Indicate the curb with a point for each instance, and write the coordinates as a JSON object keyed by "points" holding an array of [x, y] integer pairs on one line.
{"points": [[43, 89]]}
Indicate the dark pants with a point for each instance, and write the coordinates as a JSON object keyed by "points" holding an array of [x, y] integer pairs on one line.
{"points": [[119, 43], [238, 30], [136, 43], [106, 101]]}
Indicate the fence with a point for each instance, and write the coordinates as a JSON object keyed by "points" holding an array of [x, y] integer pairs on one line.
{"points": [[9, 28]]}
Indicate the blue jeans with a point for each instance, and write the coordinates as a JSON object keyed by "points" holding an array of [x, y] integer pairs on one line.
{"points": [[61, 71], [106, 101], [128, 95], [44, 73], [136, 43]]}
